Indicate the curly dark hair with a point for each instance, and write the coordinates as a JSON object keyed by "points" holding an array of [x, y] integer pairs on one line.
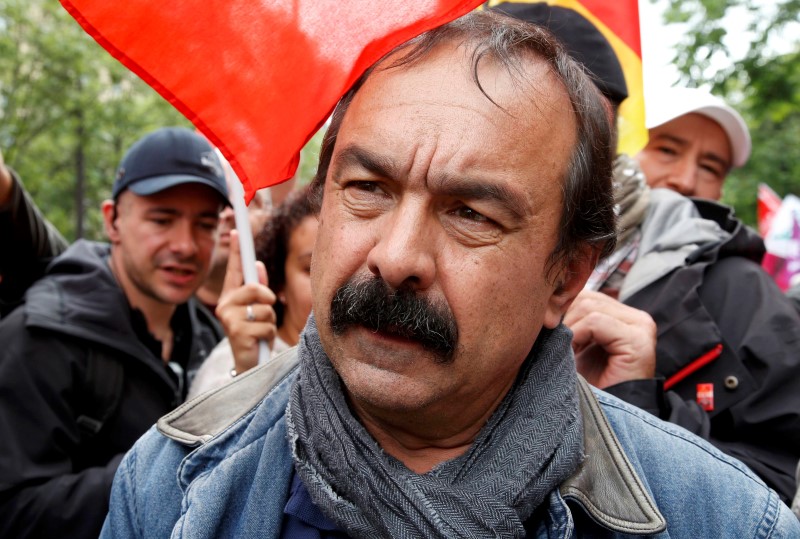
{"points": [[272, 243]]}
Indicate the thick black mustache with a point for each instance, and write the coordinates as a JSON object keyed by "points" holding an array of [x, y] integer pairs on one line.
{"points": [[371, 303]]}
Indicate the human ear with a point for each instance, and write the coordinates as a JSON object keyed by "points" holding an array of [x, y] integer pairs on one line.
{"points": [[570, 280], [109, 210]]}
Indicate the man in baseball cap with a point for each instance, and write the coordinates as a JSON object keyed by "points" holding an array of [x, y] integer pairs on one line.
{"points": [[695, 140], [108, 340]]}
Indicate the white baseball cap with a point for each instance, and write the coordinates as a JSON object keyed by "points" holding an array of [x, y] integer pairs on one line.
{"points": [[667, 104]]}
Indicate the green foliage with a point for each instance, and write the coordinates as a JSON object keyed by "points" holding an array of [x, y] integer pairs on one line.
{"points": [[775, 161], [764, 84], [67, 111], [309, 158]]}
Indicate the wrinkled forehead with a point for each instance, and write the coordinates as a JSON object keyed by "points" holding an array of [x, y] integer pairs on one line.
{"points": [[523, 77], [447, 92]]}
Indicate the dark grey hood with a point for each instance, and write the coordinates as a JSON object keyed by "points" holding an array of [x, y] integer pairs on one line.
{"points": [[672, 230]]}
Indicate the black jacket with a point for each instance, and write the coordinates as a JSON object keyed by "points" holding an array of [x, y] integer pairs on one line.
{"points": [[78, 386], [723, 321]]}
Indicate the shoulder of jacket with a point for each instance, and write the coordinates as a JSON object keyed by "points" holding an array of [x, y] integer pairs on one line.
{"points": [[202, 418], [606, 470]]}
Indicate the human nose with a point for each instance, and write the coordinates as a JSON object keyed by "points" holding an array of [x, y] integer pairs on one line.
{"points": [[182, 240], [404, 253], [683, 178]]}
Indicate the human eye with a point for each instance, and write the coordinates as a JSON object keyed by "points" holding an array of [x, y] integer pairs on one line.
{"points": [[666, 150], [364, 187], [365, 198], [472, 227], [712, 169], [160, 221], [465, 212]]}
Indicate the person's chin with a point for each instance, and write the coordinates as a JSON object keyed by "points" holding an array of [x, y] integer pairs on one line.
{"points": [[387, 371], [177, 293], [176, 297]]}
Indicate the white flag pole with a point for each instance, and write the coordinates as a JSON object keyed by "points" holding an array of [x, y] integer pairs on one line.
{"points": [[246, 246]]}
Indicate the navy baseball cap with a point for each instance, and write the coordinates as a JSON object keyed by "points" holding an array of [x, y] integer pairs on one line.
{"points": [[168, 157]]}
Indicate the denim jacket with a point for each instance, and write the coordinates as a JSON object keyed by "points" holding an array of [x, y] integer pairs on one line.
{"points": [[221, 467]]}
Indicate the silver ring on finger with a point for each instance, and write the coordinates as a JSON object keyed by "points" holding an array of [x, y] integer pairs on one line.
{"points": [[251, 316]]}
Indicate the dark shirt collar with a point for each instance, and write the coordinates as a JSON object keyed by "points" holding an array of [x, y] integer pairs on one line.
{"points": [[181, 326], [181, 334], [304, 520]]}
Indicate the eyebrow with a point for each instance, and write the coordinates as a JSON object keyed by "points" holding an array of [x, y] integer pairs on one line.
{"points": [[353, 156], [707, 155], [466, 188], [446, 184]]}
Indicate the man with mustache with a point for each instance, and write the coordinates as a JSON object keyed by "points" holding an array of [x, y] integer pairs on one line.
{"points": [[107, 341], [466, 195]]}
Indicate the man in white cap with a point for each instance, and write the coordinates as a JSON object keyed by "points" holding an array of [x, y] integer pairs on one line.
{"points": [[725, 365], [695, 140]]}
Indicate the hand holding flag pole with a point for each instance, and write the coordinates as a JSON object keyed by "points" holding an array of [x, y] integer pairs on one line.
{"points": [[246, 246]]}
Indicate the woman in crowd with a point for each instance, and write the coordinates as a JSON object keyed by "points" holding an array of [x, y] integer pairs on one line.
{"points": [[284, 246]]}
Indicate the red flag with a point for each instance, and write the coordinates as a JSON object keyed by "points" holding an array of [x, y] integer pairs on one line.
{"points": [[768, 205], [618, 21], [257, 78]]}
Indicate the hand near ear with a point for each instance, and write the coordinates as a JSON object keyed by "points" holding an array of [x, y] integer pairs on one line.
{"points": [[613, 342], [245, 310]]}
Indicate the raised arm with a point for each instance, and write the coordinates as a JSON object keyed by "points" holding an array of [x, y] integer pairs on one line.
{"points": [[32, 239]]}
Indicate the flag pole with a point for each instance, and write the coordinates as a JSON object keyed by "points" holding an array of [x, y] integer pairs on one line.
{"points": [[246, 246]]}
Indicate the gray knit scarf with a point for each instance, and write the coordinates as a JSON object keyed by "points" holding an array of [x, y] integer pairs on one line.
{"points": [[532, 443]]}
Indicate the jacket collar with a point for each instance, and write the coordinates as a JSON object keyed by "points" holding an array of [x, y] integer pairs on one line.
{"points": [[605, 484], [744, 241], [672, 231], [199, 420]]}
